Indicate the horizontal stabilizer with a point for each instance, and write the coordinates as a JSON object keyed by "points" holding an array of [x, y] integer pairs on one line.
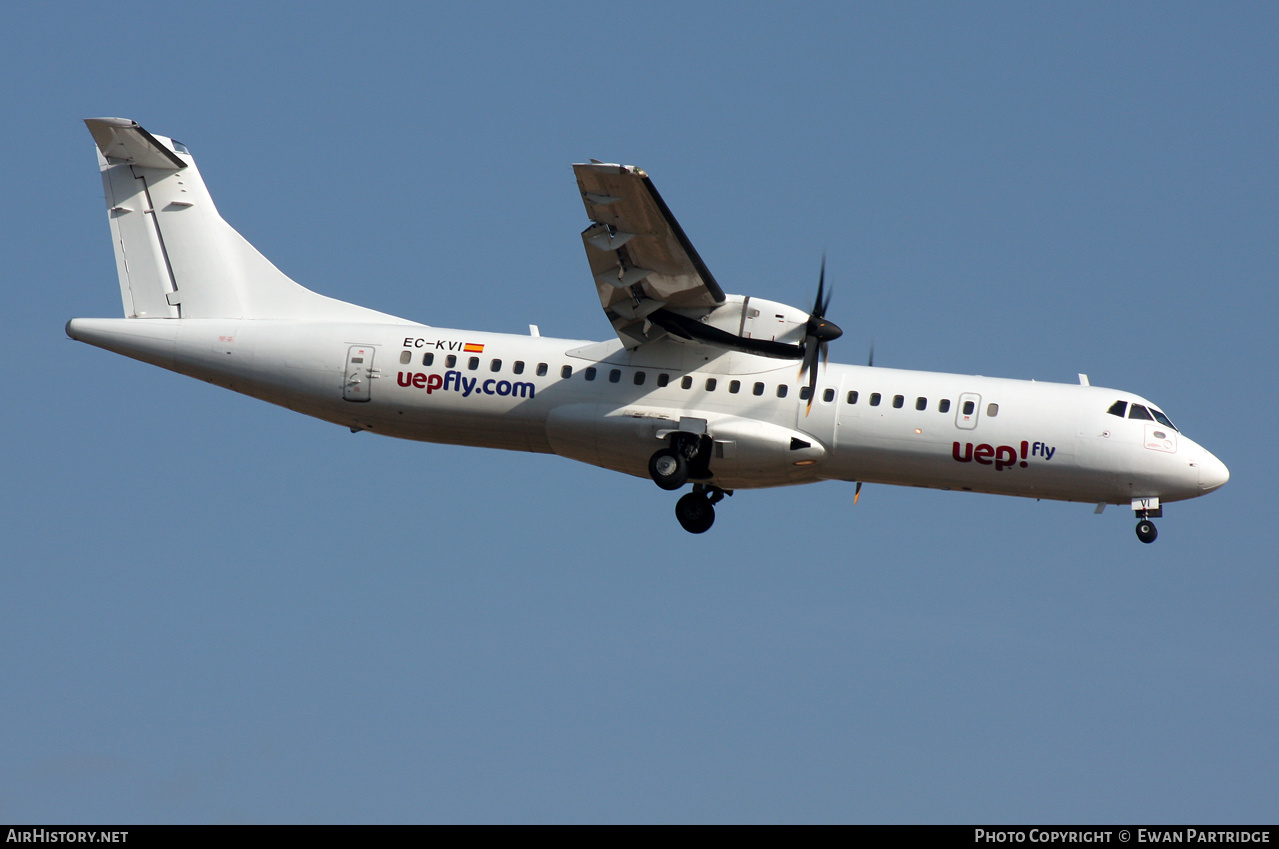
{"points": [[122, 140]]}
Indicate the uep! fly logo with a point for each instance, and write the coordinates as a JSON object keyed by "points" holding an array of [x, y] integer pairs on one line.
{"points": [[1001, 456]]}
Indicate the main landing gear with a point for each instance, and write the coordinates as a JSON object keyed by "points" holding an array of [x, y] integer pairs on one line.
{"points": [[696, 510], [688, 456], [669, 468]]}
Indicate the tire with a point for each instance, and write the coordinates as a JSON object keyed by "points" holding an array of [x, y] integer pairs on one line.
{"points": [[668, 469], [1146, 531], [695, 513]]}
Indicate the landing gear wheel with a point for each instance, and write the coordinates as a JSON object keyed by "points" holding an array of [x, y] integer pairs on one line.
{"points": [[695, 513], [1146, 531], [668, 468]]}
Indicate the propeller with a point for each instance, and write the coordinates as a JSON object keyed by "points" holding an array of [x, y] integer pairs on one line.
{"points": [[818, 333]]}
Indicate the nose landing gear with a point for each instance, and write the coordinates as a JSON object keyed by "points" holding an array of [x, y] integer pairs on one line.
{"points": [[1146, 509], [1146, 531]]}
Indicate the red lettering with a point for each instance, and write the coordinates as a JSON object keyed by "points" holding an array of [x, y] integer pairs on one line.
{"points": [[404, 378], [983, 454], [968, 453], [433, 383], [419, 380], [1005, 456]]}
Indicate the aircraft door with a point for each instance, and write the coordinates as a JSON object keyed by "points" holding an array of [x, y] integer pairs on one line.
{"points": [[359, 373], [969, 410]]}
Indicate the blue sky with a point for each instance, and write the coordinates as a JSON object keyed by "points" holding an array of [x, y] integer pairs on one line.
{"points": [[215, 610]]}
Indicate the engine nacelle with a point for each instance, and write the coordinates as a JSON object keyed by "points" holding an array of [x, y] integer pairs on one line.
{"points": [[759, 318]]}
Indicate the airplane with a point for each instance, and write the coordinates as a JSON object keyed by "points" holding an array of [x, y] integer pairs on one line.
{"points": [[724, 392]]}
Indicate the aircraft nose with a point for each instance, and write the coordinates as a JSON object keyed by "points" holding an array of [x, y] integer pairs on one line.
{"points": [[1212, 473]]}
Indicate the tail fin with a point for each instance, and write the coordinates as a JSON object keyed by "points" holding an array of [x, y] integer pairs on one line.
{"points": [[175, 255]]}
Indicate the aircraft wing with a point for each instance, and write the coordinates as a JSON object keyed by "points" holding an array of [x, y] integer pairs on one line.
{"points": [[639, 255]]}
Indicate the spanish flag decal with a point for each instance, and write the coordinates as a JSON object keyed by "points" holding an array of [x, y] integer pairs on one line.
{"points": [[472, 348]]}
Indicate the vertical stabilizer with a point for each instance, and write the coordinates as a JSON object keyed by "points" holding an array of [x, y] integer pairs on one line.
{"points": [[175, 255]]}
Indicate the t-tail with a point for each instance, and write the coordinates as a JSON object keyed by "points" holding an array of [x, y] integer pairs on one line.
{"points": [[175, 255]]}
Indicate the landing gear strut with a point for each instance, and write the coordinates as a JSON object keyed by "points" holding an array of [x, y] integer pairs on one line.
{"points": [[696, 510]]}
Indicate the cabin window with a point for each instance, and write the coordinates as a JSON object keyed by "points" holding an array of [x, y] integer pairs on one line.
{"points": [[566, 372], [710, 384], [852, 396], [1139, 412], [614, 375], [541, 369], [874, 399], [639, 378], [1118, 408], [405, 357], [734, 386], [428, 358], [686, 382], [495, 365], [518, 367], [590, 372], [450, 361], [921, 404], [992, 410], [757, 389], [781, 390], [943, 406], [663, 379], [898, 401], [969, 406], [804, 392], [473, 363], [828, 395]]}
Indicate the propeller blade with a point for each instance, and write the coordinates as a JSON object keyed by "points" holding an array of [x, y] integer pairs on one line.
{"points": [[812, 384], [857, 493], [817, 334], [819, 308]]}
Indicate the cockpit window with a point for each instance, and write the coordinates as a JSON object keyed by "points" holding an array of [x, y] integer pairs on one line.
{"points": [[1118, 408], [1140, 412], [1162, 419]]}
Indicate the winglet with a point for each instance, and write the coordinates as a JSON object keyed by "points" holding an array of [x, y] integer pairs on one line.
{"points": [[123, 140]]}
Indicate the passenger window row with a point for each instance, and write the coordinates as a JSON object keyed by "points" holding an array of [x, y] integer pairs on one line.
{"points": [[921, 403], [639, 377]]}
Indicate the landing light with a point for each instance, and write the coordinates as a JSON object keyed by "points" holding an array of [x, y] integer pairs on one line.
{"points": [[805, 462]]}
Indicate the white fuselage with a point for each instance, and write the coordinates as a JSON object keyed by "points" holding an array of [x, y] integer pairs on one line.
{"points": [[602, 404]]}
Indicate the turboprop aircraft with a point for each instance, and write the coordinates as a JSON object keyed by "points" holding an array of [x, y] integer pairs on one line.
{"points": [[723, 392]]}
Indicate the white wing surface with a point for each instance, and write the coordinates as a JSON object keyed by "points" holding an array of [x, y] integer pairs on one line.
{"points": [[639, 255]]}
